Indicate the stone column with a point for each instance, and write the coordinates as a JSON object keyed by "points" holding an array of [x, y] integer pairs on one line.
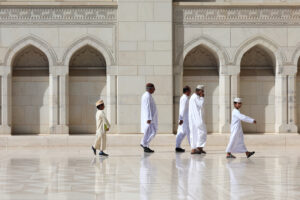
{"points": [[224, 103], [58, 100], [178, 85], [281, 103], [292, 114], [111, 96], [6, 81], [53, 102]]}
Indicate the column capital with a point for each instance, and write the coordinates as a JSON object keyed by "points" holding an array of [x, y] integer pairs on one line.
{"points": [[287, 70], [59, 70], [230, 70], [5, 70]]}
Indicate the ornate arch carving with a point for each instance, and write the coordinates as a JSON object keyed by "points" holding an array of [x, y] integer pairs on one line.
{"points": [[88, 41], [220, 53], [30, 40], [265, 43]]}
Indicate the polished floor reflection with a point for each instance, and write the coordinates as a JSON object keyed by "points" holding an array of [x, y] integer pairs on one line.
{"points": [[75, 174]]}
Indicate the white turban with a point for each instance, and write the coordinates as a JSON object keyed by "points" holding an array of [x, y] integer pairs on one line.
{"points": [[237, 100], [200, 87]]}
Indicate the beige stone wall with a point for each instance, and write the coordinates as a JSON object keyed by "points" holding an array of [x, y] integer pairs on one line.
{"points": [[144, 55], [147, 41], [84, 92], [259, 102], [30, 105]]}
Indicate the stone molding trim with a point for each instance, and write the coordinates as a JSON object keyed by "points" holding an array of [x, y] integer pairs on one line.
{"points": [[58, 15], [237, 15]]}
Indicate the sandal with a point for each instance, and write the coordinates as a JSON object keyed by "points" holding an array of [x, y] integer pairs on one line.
{"points": [[250, 154], [230, 156]]}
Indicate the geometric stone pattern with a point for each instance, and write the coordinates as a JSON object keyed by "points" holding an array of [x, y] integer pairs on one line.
{"points": [[57, 15], [235, 15]]}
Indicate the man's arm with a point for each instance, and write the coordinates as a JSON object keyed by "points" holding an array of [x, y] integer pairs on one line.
{"points": [[245, 118], [182, 108]]}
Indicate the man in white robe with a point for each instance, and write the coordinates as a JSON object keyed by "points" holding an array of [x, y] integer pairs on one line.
{"points": [[149, 119], [236, 142], [196, 121], [183, 125]]}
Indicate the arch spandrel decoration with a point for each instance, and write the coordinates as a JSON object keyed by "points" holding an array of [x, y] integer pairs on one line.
{"points": [[258, 61], [269, 46], [30, 61], [87, 61], [200, 61], [216, 49], [27, 41], [92, 42]]}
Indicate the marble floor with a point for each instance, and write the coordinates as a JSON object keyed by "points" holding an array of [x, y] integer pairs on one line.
{"points": [[73, 173]]}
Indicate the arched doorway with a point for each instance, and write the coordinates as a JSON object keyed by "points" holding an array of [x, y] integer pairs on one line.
{"points": [[257, 88], [30, 85], [201, 66], [87, 83]]}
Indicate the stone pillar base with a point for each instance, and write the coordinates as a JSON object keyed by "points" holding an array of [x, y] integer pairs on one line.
{"points": [[5, 130], [286, 128], [59, 129]]}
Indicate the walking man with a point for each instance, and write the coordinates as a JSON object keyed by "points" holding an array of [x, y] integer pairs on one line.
{"points": [[102, 126], [196, 121], [236, 142], [183, 125], [149, 120]]}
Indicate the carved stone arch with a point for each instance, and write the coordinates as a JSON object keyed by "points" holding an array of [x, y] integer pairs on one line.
{"points": [[34, 41], [296, 56], [88, 41], [264, 43], [210, 44]]}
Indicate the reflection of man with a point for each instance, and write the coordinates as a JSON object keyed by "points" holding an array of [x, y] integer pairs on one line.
{"points": [[100, 171], [148, 118], [147, 177], [238, 179], [196, 121], [182, 169], [183, 125], [196, 178]]}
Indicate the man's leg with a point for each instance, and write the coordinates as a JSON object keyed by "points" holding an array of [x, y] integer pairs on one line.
{"points": [[103, 145], [97, 142], [179, 137]]}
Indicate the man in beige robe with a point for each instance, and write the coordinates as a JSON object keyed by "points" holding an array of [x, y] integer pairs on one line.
{"points": [[102, 125]]}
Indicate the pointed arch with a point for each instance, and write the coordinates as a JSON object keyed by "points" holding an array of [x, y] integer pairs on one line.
{"points": [[264, 43], [25, 42], [207, 42], [88, 41]]}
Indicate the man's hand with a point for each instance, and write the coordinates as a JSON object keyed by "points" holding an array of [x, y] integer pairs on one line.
{"points": [[148, 121], [180, 122], [254, 122]]}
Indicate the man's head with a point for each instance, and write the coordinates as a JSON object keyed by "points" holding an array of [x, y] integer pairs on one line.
{"points": [[150, 88], [200, 90], [100, 104], [237, 102], [187, 90]]}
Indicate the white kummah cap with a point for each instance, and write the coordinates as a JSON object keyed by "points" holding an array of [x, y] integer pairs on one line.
{"points": [[200, 87], [99, 102], [237, 100]]}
